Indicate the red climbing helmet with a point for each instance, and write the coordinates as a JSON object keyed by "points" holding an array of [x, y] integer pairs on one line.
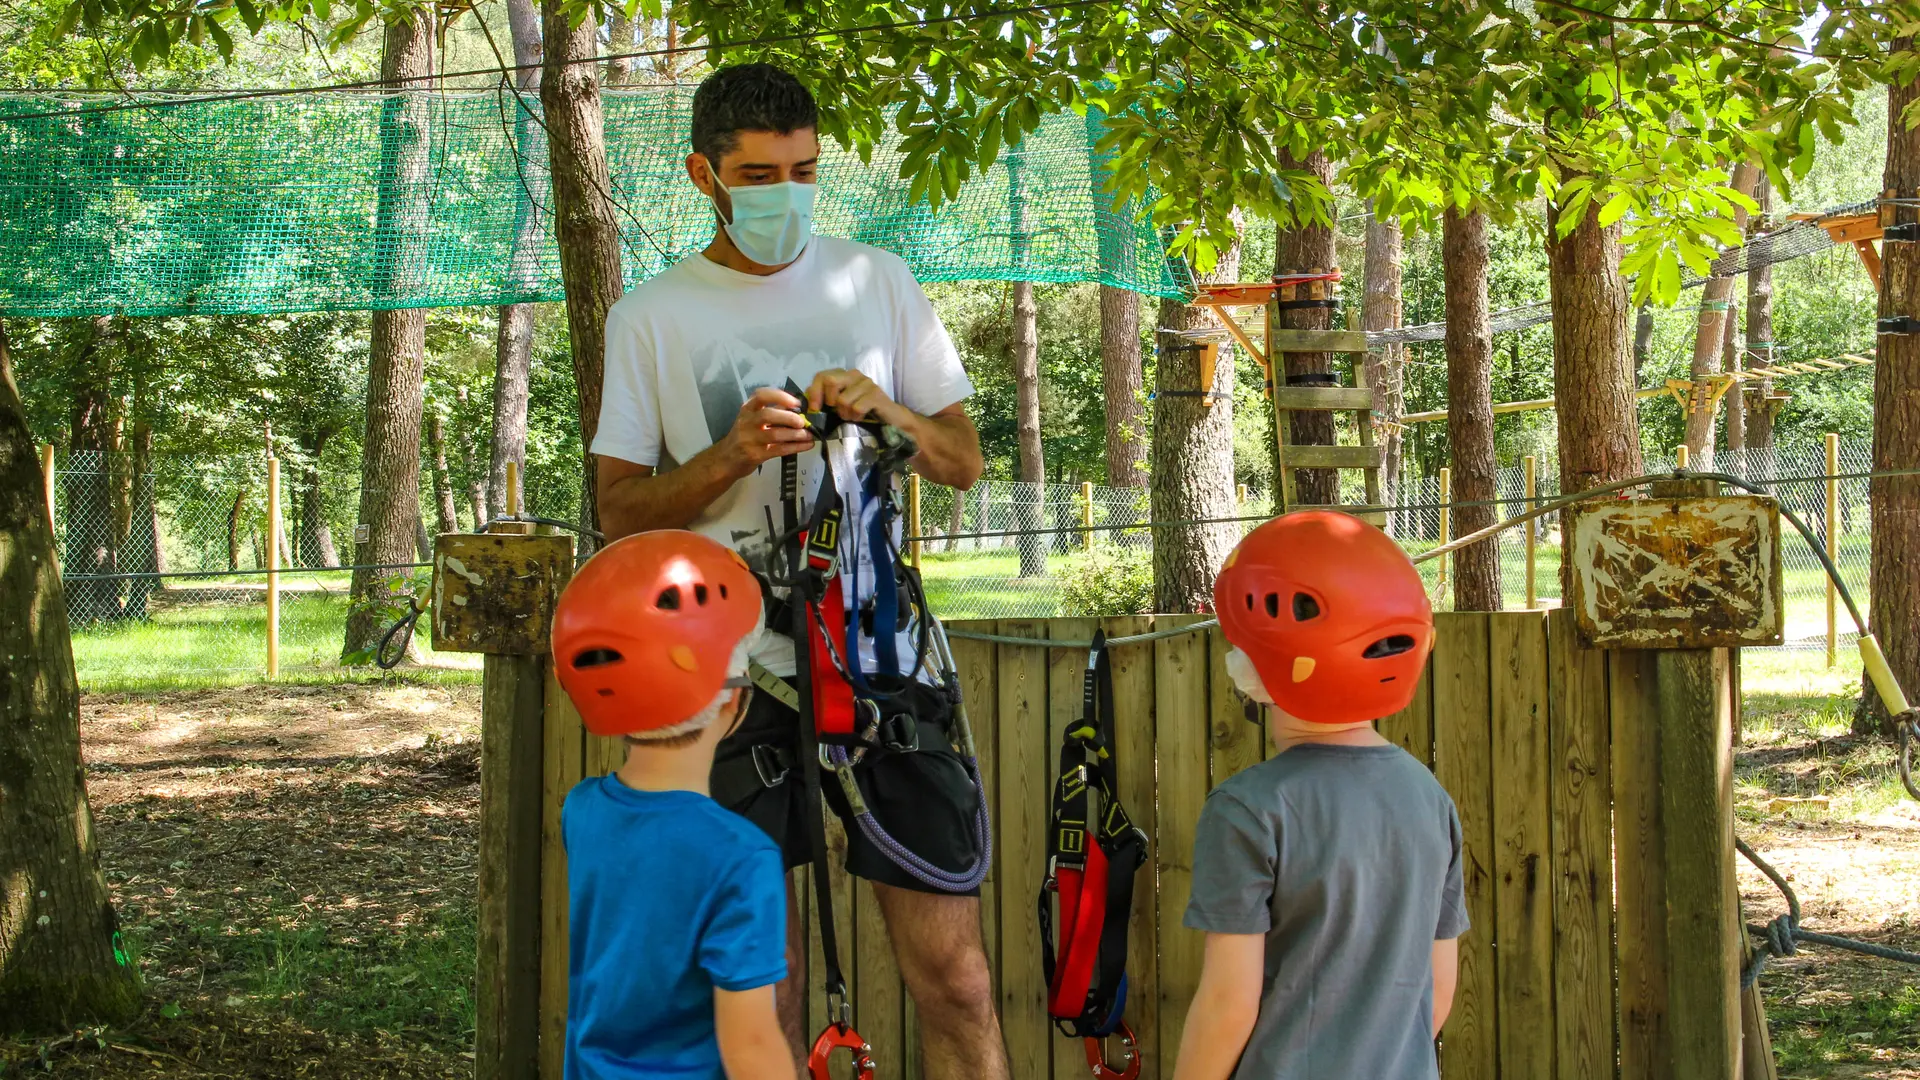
{"points": [[643, 634], [1331, 613]]}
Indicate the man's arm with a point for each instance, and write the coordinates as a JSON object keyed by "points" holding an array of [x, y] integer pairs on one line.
{"points": [[949, 443], [1446, 975], [748, 1028], [632, 498], [1224, 1007]]}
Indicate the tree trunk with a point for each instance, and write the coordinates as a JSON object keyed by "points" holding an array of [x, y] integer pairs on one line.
{"points": [[61, 960], [89, 498], [1894, 581], [1592, 355], [390, 467], [956, 519], [448, 519], [1642, 340], [1192, 476], [1760, 335], [1476, 569], [316, 536], [1709, 338], [621, 34], [584, 224], [1736, 398], [422, 543], [1033, 461], [1385, 366], [513, 347], [141, 555], [233, 527], [1122, 381], [1303, 251], [476, 493]]}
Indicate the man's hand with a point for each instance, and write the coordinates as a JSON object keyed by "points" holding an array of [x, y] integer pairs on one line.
{"points": [[856, 397], [769, 426]]}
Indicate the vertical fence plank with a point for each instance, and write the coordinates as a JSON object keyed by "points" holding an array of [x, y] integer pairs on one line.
{"points": [[1522, 875], [977, 663], [512, 736], [1133, 696], [1180, 722], [1235, 744], [1066, 678], [881, 994], [562, 766], [1582, 797], [1639, 876], [1463, 761], [1023, 847], [1411, 728]]}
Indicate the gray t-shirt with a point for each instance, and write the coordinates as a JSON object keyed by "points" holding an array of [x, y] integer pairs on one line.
{"points": [[1348, 859]]}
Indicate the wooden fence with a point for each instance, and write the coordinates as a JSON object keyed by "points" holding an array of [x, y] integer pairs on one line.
{"points": [[1544, 744]]}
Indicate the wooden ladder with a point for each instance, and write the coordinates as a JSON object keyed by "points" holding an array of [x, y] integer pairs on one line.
{"points": [[1357, 399]]}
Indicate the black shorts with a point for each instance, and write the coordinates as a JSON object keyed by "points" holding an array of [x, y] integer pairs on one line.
{"points": [[924, 798]]}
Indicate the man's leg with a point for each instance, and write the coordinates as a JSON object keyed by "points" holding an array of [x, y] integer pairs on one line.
{"points": [[944, 962], [790, 994]]}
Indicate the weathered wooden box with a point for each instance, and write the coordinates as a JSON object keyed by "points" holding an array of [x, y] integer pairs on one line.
{"points": [[1694, 572], [495, 593]]}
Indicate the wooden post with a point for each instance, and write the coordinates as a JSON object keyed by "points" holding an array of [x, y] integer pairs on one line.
{"points": [[273, 565], [913, 518], [1240, 495], [1533, 534], [513, 489], [1680, 457], [1446, 517], [1833, 546], [507, 987], [1680, 939], [46, 473], [1086, 511]]}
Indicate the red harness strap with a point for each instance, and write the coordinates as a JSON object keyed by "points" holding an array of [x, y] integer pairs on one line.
{"points": [[1083, 915], [832, 695]]}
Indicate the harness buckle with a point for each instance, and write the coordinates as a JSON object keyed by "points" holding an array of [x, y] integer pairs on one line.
{"points": [[900, 733], [1103, 1069], [767, 763]]}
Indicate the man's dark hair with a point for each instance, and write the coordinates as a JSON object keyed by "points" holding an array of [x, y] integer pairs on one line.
{"points": [[748, 97]]}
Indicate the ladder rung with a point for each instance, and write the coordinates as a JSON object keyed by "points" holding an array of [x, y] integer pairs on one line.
{"points": [[1332, 457], [1324, 398], [1343, 341], [1372, 515]]}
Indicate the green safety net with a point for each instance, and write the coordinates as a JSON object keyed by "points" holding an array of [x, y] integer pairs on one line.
{"points": [[358, 201]]}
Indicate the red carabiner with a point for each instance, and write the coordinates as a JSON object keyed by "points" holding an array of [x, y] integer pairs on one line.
{"points": [[843, 1037], [1130, 1064]]}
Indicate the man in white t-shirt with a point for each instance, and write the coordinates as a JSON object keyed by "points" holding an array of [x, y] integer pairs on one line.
{"points": [[694, 422]]}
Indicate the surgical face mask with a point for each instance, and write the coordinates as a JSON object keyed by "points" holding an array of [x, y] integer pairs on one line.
{"points": [[771, 222]]}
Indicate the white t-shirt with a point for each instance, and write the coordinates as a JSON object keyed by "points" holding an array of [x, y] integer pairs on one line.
{"points": [[686, 349]]}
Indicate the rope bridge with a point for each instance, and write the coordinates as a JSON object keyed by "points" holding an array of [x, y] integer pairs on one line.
{"points": [[380, 200]]}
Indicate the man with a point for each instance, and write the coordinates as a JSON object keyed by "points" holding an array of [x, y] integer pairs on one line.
{"points": [[693, 423]]}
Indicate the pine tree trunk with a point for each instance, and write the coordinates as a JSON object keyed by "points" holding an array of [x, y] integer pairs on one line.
{"points": [[1894, 581], [316, 536], [1476, 569], [1593, 355], [1709, 337], [621, 34], [1760, 335], [61, 961], [956, 519], [1122, 381], [584, 223], [1385, 366], [1642, 340], [447, 518], [142, 553], [1301, 251], [1192, 475], [234, 514], [88, 498], [390, 466], [476, 493], [1033, 461], [1736, 398], [513, 347]]}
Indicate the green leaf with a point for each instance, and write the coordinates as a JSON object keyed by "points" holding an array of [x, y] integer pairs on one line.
{"points": [[1615, 209], [171, 1010], [1666, 278], [69, 19]]}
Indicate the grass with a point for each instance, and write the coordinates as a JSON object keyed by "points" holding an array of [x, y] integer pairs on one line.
{"points": [[1808, 1040], [225, 644]]}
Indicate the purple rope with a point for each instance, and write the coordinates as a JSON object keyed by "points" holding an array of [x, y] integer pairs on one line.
{"points": [[921, 870]]}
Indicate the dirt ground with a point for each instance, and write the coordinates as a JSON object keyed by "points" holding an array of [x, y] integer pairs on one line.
{"points": [[274, 852], [294, 867]]}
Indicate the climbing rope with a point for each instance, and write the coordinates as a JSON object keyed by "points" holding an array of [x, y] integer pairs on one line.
{"points": [[388, 657], [1781, 936]]}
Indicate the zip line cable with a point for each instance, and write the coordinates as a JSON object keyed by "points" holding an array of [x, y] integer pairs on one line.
{"points": [[963, 19]]}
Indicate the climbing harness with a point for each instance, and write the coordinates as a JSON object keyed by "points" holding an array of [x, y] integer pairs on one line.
{"points": [[1094, 853], [846, 712]]}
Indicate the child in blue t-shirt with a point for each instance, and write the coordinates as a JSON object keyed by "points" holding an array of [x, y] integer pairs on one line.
{"points": [[677, 906]]}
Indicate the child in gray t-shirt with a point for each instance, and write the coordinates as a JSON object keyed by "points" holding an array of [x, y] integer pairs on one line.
{"points": [[1328, 878]]}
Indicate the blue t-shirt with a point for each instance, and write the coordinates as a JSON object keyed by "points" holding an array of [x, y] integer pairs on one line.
{"points": [[670, 895]]}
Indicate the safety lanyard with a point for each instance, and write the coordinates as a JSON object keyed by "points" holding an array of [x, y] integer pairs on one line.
{"points": [[1090, 870]]}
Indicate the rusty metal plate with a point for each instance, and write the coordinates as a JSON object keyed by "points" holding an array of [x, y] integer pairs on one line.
{"points": [[1697, 572], [496, 594]]}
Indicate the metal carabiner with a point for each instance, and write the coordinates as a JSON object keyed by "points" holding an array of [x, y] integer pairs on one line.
{"points": [[1130, 1063], [841, 1036]]}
